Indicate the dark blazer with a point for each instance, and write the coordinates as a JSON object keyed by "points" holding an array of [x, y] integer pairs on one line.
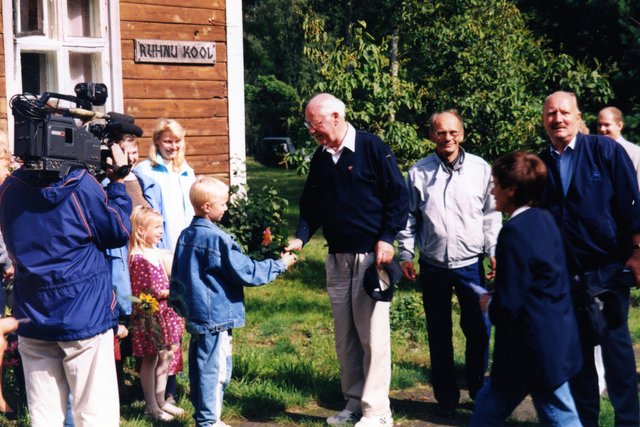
{"points": [[601, 209], [536, 338]]}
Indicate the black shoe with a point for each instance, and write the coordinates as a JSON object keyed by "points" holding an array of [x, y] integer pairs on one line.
{"points": [[445, 410]]}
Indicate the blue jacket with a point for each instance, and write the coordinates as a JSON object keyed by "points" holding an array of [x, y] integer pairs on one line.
{"points": [[207, 278], [601, 210], [536, 338], [161, 175], [118, 257], [57, 232]]}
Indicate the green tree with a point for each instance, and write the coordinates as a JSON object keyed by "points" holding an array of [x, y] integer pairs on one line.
{"points": [[359, 73], [273, 41], [479, 57], [604, 30], [268, 104]]}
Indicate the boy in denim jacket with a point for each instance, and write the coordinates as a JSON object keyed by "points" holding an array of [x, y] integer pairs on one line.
{"points": [[207, 278]]}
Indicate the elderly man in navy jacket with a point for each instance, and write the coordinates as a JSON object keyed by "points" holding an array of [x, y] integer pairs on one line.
{"points": [[592, 192], [356, 193]]}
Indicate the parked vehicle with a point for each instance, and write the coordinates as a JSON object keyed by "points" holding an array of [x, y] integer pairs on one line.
{"points": [[271, 151]]}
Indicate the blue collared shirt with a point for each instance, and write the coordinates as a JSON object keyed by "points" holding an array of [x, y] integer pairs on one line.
{"points": [[565, 164]]}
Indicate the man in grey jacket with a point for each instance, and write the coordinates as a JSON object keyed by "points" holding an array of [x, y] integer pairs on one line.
{"points": [[454, 224]]}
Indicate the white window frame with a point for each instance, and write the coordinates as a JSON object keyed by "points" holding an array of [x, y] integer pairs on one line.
{"points": [[107, 43]]}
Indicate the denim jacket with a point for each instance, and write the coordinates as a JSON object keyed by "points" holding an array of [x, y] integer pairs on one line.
{"points": [[208, 275], [119, 257]]}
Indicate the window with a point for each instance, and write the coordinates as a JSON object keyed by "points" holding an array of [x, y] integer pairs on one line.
{"points": [[29, 18], [59, 43]]}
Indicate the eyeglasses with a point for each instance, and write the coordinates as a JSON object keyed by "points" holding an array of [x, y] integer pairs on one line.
{"points": [[444, 133], [314, 125]]}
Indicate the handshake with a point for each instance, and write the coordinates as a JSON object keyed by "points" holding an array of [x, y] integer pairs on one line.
{"points": [[287, 256]]}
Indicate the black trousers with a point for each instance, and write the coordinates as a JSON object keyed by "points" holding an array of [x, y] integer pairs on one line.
{"points": [[438, 285]]}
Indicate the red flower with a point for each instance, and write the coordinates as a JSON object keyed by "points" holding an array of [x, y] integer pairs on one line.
{"points": [[267, 237]]}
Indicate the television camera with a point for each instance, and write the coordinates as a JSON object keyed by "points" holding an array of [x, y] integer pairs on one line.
{"points": [[48, 137]]}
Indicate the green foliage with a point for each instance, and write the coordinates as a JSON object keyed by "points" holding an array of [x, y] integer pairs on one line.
{"points": [[608, 31], [359, 72], [268, 103], [272, 39], [480, 58], [257, 221], [407, 315]]}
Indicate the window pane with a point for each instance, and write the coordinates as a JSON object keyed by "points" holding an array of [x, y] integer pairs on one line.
{"points": [[85, 67], [29, 17], [83, 18], [38, 72]]}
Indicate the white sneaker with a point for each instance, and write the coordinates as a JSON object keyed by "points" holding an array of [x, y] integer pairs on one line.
{"points": [[381, 420], [343, 418], [173, 410], [159, 415]]}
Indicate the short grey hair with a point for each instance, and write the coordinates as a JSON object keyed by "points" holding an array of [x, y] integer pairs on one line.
{"points": [[329, 104]]}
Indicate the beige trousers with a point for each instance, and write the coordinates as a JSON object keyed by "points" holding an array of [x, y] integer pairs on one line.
{"points": [[84, 368], [362, 335]]}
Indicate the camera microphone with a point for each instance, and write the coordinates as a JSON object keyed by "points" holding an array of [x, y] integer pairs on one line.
{"points": [[119, 117], [81, 113], [124, 127]]}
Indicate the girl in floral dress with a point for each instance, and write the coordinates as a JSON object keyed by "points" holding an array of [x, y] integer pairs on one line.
{"points": [[157, 329]]}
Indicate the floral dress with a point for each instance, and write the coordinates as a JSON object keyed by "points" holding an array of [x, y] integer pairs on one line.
{"points": [[153, 330]]}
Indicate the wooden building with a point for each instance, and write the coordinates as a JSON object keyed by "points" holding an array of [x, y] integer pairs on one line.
{"points": [[158, 58]]}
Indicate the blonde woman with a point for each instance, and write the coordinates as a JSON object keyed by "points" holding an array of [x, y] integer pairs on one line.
{"points": [[167, 166]]}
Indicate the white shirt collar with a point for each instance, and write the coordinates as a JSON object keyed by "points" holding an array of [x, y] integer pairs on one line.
{"points": [[349, 141], [519, 211], [571, 145]]}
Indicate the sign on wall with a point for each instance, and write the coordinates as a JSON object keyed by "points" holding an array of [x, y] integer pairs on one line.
{"points": [[179, 52]]}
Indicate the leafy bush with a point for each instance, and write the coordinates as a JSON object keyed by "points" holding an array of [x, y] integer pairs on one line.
{"points": [[257, 221], [407, 315]]}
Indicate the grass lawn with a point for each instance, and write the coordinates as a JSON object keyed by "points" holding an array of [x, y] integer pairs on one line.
{"points": [[284, 360]]}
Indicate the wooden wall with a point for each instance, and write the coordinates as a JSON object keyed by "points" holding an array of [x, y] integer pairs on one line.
{"points": [[194, 95]]}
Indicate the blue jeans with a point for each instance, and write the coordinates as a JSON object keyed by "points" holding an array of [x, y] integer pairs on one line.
{"points": [[209, 374], [554, 407], [437, 289]]}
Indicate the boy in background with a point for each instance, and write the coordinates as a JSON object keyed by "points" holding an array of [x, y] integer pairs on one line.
{"points": [[208, 275], [536, 337]]}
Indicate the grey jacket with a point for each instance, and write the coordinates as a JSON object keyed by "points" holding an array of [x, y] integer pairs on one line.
{"points": [[452, 215]]}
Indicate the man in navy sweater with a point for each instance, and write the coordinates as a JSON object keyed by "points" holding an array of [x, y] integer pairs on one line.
{"points": [[356, 193], [592, 192]]}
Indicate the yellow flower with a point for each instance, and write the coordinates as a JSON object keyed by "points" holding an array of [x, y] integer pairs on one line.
{"points": [[148, 303]]}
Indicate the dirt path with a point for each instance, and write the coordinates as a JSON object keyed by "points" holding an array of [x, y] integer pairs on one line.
{"points": [[414, 407]]}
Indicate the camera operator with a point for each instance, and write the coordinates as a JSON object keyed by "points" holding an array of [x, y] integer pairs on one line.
{"points": [[57, 231]]}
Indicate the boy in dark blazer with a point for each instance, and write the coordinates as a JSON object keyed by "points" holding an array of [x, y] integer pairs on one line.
{"points": [[537, 345]]}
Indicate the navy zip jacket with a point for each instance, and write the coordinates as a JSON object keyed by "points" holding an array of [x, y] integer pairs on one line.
{"points": [[601, 210], [358, 201], [56, 233]]}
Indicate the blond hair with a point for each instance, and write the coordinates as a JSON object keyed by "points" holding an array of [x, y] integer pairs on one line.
{"points": [[206, 189], [176, 129], [141, 218], [127, 137]]}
